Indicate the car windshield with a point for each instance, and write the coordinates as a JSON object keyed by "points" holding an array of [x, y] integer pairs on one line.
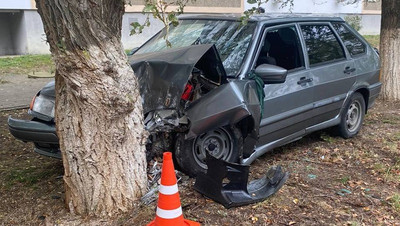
{"points": [[231, 39]]}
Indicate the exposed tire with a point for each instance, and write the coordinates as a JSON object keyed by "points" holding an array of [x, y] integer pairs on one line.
{"points": [[223, 143], [352, 116]]}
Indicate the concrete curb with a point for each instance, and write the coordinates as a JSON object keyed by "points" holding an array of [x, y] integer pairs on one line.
{"points": [[40, 74], [14, 108]]}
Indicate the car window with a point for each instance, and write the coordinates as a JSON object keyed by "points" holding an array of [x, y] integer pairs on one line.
{"points": [[282, 47], [231, 39], [322, 44], [353, 44]]}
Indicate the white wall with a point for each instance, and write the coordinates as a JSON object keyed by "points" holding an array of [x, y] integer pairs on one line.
{"points": [[310, 6], [370, 24], [137, 40], [35, 36], [15, 4]]}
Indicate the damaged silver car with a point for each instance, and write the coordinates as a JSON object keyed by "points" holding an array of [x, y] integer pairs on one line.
{"points": [[237, 91]]}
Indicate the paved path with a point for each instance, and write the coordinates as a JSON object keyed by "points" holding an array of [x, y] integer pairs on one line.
{"points": [[17, 91]]}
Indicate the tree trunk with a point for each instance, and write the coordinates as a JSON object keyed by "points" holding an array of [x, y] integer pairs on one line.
{"points": [[98, 106], [390, 49]]}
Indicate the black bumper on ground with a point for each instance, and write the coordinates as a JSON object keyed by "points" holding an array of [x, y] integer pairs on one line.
{"points": [[41, 133], [32, 131]]}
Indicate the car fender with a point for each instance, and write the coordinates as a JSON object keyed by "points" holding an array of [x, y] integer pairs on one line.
{"points": [[226, 105]]}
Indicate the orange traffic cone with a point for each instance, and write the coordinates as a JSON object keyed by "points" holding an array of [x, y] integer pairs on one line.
{"points": [[169, 210]]}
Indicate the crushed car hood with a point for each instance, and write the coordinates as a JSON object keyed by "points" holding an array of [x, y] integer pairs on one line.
{"points": [[163, 75]]}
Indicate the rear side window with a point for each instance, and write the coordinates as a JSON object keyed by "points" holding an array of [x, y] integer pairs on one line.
{"points": [[353, 44], [322, 44]]}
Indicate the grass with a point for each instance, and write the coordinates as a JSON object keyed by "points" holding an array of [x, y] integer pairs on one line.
{"points": [[345, 179], [3, 81], [27, 176], [395, 201], [26, 64], [390, 121], [389, 172], [327, 138], [373, 40]]}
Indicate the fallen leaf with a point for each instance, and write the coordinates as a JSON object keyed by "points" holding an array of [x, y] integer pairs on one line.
{"points": [[254, 219]]}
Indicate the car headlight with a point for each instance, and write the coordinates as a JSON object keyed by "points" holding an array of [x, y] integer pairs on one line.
{"points": [[43, 105]]}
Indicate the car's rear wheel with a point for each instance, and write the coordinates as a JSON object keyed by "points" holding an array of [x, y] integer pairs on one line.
{"points": [[222, 143], [352, 116]]}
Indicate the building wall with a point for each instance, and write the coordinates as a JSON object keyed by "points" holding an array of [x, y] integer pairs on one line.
{"points": [[310, 6], [15, 4], [22, 30], [6, 45], [36, 38], [368, 11], [32, 39], [199, 6], [132, 41], [372, 6], [18, 33], [370, 24]]}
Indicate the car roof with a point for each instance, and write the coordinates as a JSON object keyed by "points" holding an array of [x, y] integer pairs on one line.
{"points": [[267, 17]]}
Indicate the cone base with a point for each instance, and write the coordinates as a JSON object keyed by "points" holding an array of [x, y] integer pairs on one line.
{"points": [[185, 223]]}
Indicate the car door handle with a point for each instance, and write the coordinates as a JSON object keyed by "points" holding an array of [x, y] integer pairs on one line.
{"points": [[304, 80], [349, 70]]}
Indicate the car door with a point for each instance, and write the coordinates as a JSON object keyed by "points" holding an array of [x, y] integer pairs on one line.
{"points": [[286, 106], [332, 69]]}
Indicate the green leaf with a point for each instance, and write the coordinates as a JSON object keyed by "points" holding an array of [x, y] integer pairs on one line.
{"points": [[149, 8]]}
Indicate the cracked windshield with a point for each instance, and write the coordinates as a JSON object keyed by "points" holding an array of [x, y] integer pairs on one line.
{"points": [[230, 37]]}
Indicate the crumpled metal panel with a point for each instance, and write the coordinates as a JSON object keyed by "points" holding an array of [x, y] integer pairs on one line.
{"points": [[162, 79], [163, 75], [225, 105], [237, 191]]}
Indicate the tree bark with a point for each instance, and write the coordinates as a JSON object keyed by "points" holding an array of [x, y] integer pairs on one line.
{"points": [[390, 50], [98, 106]]}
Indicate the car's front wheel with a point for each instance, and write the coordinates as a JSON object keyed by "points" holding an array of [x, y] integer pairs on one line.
{"points": [[352, 116], [222, 143]]}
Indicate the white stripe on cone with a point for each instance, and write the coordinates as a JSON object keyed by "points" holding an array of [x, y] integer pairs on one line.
{"points": [[168, 190], [169, 214]]}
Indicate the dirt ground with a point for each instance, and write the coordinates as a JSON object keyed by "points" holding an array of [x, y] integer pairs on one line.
{"points": [[18, 90], [332, 182]]}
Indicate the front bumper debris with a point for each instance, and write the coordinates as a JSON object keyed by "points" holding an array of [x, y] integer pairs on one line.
{"points": [[42, 134], [33, 131], [237, 192]]}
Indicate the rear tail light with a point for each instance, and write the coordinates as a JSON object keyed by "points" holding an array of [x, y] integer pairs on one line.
{"points": [[32, 102]]}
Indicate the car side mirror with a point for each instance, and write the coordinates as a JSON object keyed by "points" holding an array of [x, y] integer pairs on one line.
{"points": [[271, 74]]}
